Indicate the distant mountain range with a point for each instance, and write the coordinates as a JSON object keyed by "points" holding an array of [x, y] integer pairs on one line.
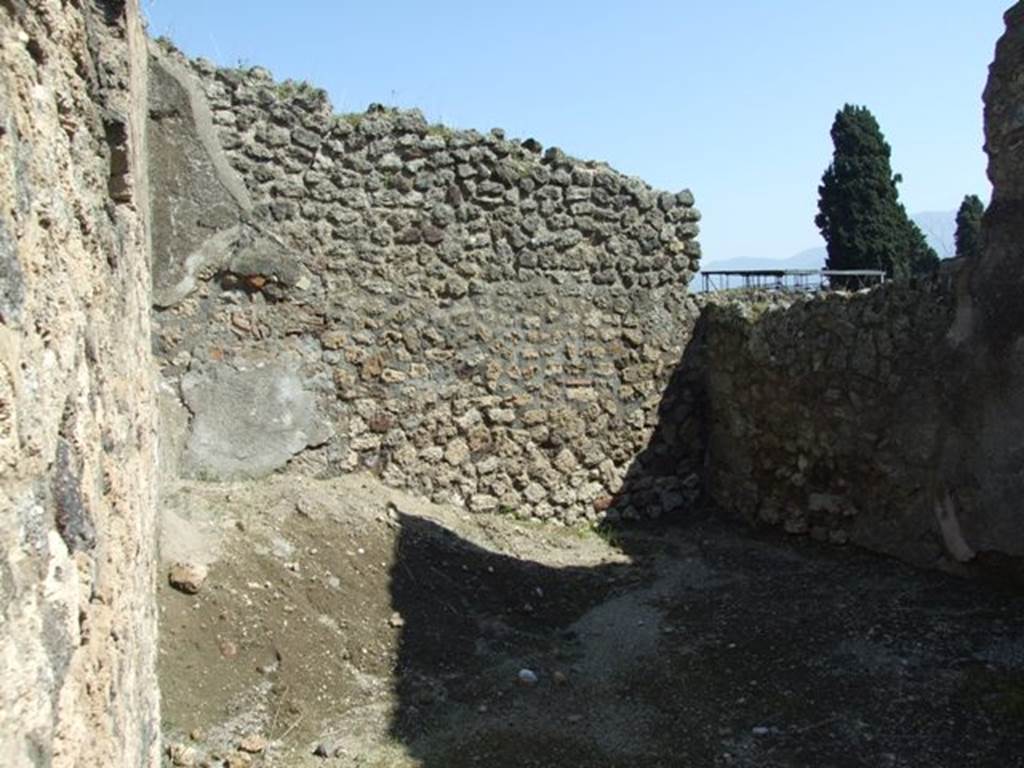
{"points": [[938, 227]]}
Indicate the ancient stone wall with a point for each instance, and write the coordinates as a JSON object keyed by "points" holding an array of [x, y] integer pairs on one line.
{"points": [[982, 457], [495, 325], [78, 625], [824, 413], [466, 315], [893, 419]]}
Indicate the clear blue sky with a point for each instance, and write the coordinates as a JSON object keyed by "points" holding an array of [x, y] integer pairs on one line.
{"points": [[732, 99]]}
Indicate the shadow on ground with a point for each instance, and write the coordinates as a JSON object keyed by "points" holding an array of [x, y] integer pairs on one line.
{"points": [[354, 625], [707, 645], [710, 648]]}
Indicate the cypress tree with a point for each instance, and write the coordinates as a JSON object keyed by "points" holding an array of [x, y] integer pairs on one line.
{"points": [[968, 227], [859, 213]]}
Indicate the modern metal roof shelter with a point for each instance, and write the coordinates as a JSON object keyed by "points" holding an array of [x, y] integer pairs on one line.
{"points": [[792, 279]]}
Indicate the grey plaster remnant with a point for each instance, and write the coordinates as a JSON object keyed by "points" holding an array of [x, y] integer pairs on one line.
{"points": [[204, 128], [199, 201], [227, 251], [12, 283], [266, 256], [248, 422], [213, 251], [173, 420], [58, 644]]}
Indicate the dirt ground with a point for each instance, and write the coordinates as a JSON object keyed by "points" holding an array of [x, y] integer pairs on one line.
{"points": [[346, 624]]}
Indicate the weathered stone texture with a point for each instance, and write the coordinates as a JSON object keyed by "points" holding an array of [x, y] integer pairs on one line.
{"points": [[78, 624], [984, 449], [824, 413], [479, 320], [501, 326], [894, 419]]}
